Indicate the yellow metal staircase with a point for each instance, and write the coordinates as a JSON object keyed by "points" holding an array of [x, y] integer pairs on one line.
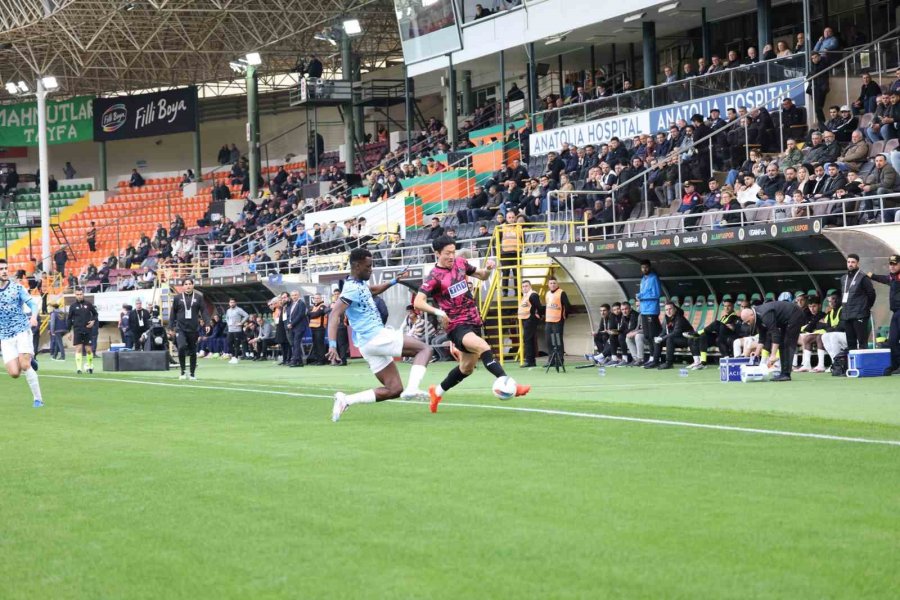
{"points": [[499, 300]]}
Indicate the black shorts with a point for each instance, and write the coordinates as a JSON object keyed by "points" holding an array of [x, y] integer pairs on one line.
{"points": [[456, 336], [81, 337]]}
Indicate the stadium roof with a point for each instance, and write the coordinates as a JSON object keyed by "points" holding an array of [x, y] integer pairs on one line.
{"points": [[110, 46]]}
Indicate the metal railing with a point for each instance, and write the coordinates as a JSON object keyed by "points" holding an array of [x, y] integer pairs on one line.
{"points": [[846, 212], [451, 173], [693, 88], [675, 156]]}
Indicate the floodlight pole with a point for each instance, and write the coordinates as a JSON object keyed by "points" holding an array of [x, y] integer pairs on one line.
{"points": [[253, 130], [349, 126], [44, 169]]}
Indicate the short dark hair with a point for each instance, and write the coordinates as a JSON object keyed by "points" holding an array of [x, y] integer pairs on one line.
{"points": [[854, 256], [441, 242], [552, 278], [606, 306], [3, 261], [645, 262], [186, 279], [359, 254]]}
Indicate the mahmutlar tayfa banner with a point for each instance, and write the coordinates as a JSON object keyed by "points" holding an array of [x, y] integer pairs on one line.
{"points": [[67, 121], [161, 113]]}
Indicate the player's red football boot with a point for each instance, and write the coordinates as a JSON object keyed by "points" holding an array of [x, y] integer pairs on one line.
{"points": [[435, 399], [522, 389]]}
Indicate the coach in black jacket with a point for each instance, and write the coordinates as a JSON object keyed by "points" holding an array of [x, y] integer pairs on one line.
{"points": [[778, 324], [139, 323], [857, 298], [297, 322], [188, 308], [673, 337]]}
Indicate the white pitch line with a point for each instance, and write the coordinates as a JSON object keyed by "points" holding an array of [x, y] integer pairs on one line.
{"points": [[193, 386], [543, 411]]}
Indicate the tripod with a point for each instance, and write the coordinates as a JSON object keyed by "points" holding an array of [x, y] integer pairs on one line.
{"points": [[555, 359]]}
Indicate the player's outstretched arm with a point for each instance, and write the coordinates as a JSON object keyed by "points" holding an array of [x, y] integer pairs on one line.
{"points": [[378, 288], [484, 273], [337, 315]]}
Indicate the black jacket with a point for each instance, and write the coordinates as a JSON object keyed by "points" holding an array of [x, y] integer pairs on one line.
{"points": [[178, 314], [860, 295], [676, 325], [629, 323], [812, 320], [894, 282], [138, 322], [772, 318], [80, 314]]}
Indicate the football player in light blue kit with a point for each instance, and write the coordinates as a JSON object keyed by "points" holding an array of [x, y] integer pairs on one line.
{"points": [[377, 344], [15, 331]]}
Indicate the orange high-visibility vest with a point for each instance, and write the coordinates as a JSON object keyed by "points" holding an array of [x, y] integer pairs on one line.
{"points": [[317, 322], [554, 306], [510, 240], [525, 307]]}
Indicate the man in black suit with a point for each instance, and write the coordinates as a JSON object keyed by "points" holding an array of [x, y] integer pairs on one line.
{"points": [[297, 322], [139, 323]]}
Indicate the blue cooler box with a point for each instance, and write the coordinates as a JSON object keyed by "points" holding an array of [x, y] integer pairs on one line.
{"points": [[868, 363], [730, 368]]}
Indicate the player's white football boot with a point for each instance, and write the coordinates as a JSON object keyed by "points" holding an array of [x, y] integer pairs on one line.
{"points": [[340, 405]]}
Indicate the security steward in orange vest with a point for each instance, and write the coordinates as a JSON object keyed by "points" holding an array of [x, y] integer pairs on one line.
{"points": [[510, 235], [556, 311], [530, 316], [318, 324]]}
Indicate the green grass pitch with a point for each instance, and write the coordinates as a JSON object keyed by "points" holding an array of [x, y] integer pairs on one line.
{"points": [[240, 486]]}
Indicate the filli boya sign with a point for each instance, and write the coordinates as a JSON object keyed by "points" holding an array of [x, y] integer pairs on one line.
{"points": [[161, 113]]}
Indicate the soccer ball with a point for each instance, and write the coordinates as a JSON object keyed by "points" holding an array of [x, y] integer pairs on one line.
{"points": [[504, 387]]}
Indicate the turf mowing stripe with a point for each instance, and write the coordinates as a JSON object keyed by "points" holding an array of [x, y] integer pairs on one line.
{"points": [[543, 411]]}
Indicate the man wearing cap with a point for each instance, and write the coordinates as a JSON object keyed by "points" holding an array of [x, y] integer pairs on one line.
{"points": [[778, 324], [722, 332], [857, 299], [892, 279], [842, 123]]}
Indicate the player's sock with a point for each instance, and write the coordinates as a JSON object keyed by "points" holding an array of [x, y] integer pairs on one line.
{"points": [[366, 397], [181, 357], [193, 364], [698, 360], [78, 361], [416, 374], [807, 359], [703, 356], [453, 378], [90, 360], [493, 367], [32, 378], [820, 353]]}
